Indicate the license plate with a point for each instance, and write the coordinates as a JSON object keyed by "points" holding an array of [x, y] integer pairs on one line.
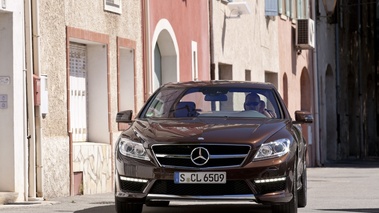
{"points": [[200, 177]]}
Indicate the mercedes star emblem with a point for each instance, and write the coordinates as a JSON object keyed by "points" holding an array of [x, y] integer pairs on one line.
{"points": [[200, 156]]}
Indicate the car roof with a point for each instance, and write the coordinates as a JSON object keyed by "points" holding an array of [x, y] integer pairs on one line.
{"points": [[223, 83]]}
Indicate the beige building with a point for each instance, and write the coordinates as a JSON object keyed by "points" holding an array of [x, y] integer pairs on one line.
{"points": [[256, 41], [244, 42], [63, 106], [86, 48]]}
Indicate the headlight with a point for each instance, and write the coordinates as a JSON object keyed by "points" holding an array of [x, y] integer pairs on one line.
{"points": [[273, 149], [132, 149]]}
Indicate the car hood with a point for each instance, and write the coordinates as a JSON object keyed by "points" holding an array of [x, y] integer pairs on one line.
{"points": [[225, 130]]}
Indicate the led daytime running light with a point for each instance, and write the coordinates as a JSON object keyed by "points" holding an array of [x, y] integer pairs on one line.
{"points": [[133, 179], [271, 180]]}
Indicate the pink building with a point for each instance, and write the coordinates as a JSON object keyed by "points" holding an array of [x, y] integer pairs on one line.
{"points": [[176, 42]]}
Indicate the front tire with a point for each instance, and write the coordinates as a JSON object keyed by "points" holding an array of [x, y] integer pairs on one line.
{"points": [[290, 207], [302, 192], [128, 207]]}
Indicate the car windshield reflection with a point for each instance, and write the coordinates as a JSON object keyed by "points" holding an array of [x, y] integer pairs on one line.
{"points": [[213, 102]]}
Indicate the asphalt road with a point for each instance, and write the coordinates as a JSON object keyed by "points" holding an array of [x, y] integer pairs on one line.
{"points": [[348, 187]]}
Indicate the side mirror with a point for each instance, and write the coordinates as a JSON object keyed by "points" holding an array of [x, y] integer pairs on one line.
{"points": [[303, 117], [124, 116]]}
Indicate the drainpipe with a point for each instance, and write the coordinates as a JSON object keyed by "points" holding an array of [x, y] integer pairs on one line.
{"points": [[37, 70], [34, 116], [147, 48], [316, 91], [31, 164], [211, 40], [28, 99]]}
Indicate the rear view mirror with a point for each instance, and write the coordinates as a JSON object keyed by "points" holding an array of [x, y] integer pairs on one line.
{"points": [[215, 97], [124, 116]]}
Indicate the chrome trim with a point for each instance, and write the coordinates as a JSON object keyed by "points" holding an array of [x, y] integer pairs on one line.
{"points": [[179, 156], [173, 156], [243, 197], [210, 156], [200, 169], [228, 156], [197, 143], [120, 194]]}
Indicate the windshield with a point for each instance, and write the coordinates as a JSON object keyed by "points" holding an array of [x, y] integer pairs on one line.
{"points": [[213, 102]]}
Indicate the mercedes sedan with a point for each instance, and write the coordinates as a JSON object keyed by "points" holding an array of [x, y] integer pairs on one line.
{"points": [[212, 141]]}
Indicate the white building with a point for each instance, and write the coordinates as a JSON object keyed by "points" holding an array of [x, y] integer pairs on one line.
{"points": [[59, 93], [13, 111]]}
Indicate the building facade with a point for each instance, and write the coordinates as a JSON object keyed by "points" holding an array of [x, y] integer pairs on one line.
{"points": [[297, 75], [348, 76], [256, 41]]}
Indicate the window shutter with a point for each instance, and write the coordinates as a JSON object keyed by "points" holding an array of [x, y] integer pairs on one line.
{"points": [[288, 8], [293, 9], [299, 9], [271, 8]]}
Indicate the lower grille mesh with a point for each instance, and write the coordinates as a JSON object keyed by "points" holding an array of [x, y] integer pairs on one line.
{"points": [[263, 188], [130, 186]]}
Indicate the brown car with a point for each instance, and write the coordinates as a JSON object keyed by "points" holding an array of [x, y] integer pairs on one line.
{"points": [[212, 140]]}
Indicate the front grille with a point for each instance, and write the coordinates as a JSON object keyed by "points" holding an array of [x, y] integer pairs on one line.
{"points": [[229, 188], [263, 188], [219, 155], [131, 186], [189, 163]]}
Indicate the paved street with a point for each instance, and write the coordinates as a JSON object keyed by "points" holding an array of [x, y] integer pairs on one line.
{"points": [[348, 187]]}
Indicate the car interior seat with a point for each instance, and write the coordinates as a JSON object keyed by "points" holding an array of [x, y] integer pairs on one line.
{"points": [[185, 109]]}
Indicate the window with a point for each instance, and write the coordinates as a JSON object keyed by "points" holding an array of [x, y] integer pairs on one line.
{"points": [[280, 6], [88, 92], [288, 8], [78, 91], [271, 7], [247, 75], [216, 102], [293, 9], [112, 6], [302, 9], [285, 7], [194, 62], [125, 74]]}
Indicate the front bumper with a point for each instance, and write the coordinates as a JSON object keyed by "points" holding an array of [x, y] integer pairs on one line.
{"points": [[268, 181]]}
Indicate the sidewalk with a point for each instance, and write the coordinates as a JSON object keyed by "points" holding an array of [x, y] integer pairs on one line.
{"points": [[70, 204], [344, 186]]}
